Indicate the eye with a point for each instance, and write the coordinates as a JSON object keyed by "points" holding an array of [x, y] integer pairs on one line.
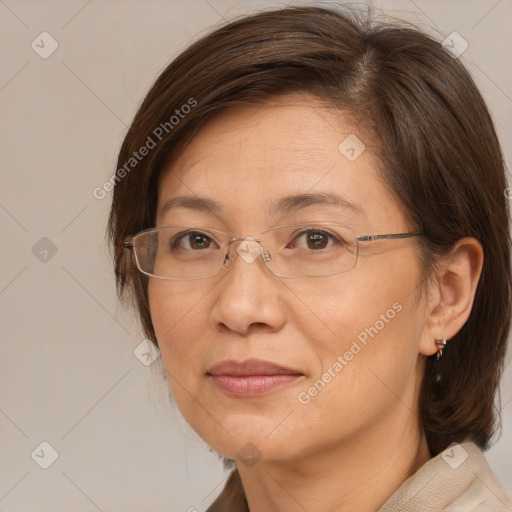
{"points": [[314, 239], [192, 240]]}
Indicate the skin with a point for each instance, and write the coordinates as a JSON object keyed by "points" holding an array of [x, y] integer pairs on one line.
{"points": [[359, 438]]}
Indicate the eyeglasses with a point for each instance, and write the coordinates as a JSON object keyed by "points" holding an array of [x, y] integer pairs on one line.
{"points": [[300, 250]]}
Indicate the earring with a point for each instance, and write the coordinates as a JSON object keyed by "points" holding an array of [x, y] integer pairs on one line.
{"points": [[441, 344]]}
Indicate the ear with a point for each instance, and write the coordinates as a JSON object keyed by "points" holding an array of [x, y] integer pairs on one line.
{"points": [[451, 296]]}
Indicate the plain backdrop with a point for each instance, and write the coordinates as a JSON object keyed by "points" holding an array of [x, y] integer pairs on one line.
{"points": [[69, 377]]}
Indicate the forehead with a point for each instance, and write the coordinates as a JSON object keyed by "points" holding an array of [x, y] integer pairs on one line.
{"points": [[283, 131], [247, 158]]}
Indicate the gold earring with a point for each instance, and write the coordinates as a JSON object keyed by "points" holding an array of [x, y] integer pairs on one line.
{"points": [[440, 343]]}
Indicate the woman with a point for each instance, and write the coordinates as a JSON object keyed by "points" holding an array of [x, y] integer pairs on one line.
{"points": [[310, 213]]}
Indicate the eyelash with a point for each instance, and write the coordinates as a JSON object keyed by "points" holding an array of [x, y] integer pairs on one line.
{"points": [[331, 237], [175, 242], [185, 236]]}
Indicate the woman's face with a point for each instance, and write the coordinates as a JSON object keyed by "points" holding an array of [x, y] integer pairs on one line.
{"points": [[293, 366]]}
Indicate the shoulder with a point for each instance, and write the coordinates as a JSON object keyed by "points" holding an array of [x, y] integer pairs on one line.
{"points": [[459, 479]]}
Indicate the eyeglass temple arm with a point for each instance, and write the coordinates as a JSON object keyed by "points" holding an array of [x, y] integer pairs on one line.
{"points": [[369, 238]]}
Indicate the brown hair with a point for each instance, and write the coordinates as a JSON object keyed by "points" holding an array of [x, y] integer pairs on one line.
{"points": [[435, 140]]}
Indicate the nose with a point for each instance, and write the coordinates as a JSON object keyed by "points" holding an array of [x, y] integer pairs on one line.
{"points": [[249, 296]]}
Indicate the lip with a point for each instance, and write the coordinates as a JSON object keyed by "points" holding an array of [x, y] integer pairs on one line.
{"points": [[251, 377]]}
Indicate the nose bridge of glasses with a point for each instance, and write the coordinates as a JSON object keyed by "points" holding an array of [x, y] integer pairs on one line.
{"points": [[248, 248]]}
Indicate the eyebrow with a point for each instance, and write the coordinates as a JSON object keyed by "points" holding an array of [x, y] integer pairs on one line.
{"points": [[297, 201], [202, 204], [283, 206]]}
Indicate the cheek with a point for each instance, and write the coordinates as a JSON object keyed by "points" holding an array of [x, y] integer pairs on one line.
{"points": [[384, 344], [372, 322], [367, 368], [178, 313]]}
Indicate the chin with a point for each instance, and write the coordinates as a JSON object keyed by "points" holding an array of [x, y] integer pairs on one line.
{"points": [[244, 433]]}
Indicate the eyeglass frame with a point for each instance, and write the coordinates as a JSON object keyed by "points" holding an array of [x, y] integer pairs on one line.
{"points": [[129, 244]]}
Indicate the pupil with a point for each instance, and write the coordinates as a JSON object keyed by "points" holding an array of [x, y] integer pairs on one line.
{"points": [[317, 241], [199, 242]]}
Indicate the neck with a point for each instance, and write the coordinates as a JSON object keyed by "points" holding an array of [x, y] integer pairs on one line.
{"points": [[358, 475]]}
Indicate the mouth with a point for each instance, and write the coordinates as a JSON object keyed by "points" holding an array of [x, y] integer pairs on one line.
{"points": [[251, 377]]}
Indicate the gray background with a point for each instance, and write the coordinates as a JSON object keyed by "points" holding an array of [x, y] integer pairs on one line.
{"points": [[68, 374]]}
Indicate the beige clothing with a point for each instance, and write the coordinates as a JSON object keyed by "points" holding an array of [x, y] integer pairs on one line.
{"points": [[457, 480]]}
